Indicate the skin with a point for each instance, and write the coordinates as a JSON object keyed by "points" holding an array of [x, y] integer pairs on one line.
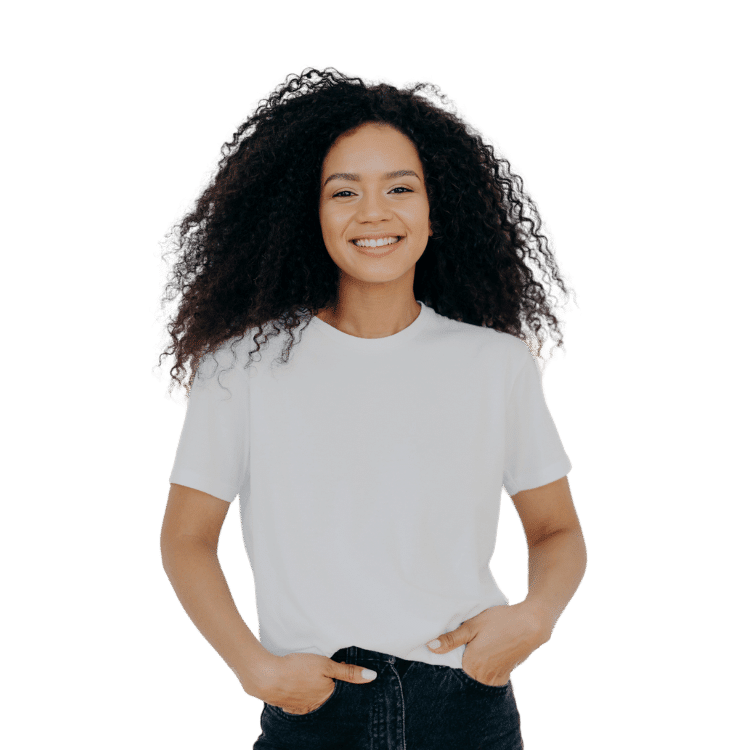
{"points": [[375, 295]]}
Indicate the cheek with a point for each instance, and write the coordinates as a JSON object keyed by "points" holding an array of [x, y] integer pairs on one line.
{"points": [[419, 214], [331, 222]]}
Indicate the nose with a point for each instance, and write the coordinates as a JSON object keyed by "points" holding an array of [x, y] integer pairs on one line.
{"points": [[371, 207]]}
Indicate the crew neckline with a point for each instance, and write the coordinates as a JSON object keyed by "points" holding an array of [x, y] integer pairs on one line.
{"points": [[377, 344]]}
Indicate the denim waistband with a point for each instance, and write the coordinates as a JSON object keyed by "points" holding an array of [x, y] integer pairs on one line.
{"points": [[358, 655]]}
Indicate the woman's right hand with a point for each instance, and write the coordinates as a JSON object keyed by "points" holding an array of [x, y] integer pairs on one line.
{"points": [[300, 683]]}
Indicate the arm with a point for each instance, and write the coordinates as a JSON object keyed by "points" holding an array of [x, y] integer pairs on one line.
{"points": [[189, 542], [500, 638], [557, 552]]}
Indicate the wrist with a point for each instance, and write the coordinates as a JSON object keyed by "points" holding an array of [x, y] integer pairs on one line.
{"points": [[258, 674], [541, 616]]}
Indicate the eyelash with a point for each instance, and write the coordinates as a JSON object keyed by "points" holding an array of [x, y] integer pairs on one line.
{"points": [[336, 195]]}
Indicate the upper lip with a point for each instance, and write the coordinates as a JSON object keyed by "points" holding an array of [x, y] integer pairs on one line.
{"points": [[376, 236]]}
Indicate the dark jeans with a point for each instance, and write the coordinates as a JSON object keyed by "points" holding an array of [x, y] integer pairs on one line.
{"points": [[410, 705]]}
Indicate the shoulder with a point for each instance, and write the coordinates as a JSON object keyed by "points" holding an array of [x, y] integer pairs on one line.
{"points": [[472, 336], [510, 347], [225, 363], [502, 353], [513, 355]]}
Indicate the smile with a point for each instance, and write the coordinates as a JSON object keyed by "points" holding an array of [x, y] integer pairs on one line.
{"points": [[379, 252], [376, 241]]}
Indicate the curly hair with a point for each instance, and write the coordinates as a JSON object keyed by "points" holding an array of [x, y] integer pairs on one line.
{"points": [[251, 250]]}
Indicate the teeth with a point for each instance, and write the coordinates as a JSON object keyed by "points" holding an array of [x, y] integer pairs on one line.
{"points": [[376, 243]]}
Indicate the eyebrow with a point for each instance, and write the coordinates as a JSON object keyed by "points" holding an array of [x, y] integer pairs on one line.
{"points": [[357, 177]]}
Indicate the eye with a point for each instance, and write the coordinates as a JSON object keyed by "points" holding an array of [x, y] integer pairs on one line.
{"points": [[341, 192]]}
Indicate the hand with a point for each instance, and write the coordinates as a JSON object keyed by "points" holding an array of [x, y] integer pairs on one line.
{"points": [[498, 639], [300, 683]]}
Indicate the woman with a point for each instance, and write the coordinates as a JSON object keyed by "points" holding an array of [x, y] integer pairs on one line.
{"points": [[369, 457]]}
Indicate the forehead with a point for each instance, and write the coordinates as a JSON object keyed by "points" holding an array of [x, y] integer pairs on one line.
{"points": [[373, 142]]}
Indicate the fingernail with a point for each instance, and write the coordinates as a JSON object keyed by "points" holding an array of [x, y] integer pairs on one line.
{"points": [[368, 674], [435, 643]]}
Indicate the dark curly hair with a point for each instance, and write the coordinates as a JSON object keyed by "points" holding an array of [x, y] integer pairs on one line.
{"points": [[251, 251]]}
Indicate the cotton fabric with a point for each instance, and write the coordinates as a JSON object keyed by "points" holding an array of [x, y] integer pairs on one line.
{"points": [[369, 474]]}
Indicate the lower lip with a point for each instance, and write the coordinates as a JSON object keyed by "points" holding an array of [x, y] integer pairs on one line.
{"points": [[391, 248]]}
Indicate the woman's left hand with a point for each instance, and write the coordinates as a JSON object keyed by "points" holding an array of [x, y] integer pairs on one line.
{"points": [[497, 640]]}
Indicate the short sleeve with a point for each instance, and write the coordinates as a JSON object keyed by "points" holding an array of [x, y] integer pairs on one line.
{"points": [[213, 451], [534, 453]]}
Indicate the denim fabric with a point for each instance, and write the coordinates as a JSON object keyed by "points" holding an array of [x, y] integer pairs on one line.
{"points": [[410, 705]]}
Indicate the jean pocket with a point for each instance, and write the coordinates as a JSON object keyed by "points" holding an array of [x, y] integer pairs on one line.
{"points": [[281, 712], [469, 680]]}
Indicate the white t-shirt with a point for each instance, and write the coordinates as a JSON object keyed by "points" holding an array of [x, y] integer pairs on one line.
{"points": [[369, 473]]}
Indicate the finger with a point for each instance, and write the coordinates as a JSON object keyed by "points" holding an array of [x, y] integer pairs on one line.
{"points": [[352, 673]]}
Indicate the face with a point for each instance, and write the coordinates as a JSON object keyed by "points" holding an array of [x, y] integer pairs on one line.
{"points": [[358, 198]]}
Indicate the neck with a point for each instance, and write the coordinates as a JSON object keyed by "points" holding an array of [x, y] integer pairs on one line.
{"points": [[371, 321]]}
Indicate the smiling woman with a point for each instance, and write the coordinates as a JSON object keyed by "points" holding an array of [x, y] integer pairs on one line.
{"points": [[381, 226]]}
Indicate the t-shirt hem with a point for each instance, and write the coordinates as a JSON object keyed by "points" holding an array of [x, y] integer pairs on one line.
{"points": [[551, 473], [204, 484]]}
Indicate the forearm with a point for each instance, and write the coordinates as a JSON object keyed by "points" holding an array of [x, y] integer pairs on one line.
{"points": [[556, 567], [193, 569]]}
